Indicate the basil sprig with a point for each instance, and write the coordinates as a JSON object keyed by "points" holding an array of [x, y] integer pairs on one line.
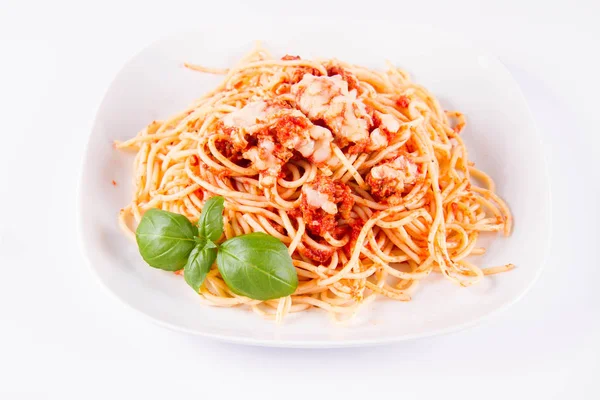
{"points": [[255, 265]]}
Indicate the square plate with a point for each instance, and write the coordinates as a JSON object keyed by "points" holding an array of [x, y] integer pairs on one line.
{"points": [[501, 138]]}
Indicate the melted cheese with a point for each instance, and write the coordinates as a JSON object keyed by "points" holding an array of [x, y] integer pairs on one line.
{"points": [[400, 169], [267, 162], [306, 148], [254, 156], [343, 116], [389, 123], [322, 147], [409, 167], [317, 93], [322, 150], [318, 132], [385, 171], [327, 98], [248, 116], [267, 144], [378, 140], [317, 199], [314, 143]]}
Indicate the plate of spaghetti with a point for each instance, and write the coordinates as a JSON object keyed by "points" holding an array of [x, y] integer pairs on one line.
{"points": [[306, 191]]}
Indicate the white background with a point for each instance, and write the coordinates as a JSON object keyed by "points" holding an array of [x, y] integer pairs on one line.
{"points": [[61, 334]]}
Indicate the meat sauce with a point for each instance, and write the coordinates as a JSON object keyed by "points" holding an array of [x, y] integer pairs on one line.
{"points": [[320, 256], [267, 133], [347, 76], [324, 202], [389, 179], [319, 110]]}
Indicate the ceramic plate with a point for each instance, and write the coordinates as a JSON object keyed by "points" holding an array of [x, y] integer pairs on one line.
{"points": [[501, 138]]}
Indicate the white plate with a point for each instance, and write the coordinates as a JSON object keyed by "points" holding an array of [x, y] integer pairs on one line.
{"points": [[501, 137]]}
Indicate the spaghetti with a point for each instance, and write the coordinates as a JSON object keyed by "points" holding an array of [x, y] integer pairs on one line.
{"points": [[360, 173]]}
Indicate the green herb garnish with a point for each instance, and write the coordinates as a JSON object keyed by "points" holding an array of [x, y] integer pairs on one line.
{"points": [[255, 265], [258, 266], [165, 239]]}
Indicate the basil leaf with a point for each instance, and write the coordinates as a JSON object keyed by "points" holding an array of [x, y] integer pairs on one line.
{"points": [[198, 265], [258, 266], [210, 224], [165, 239]]}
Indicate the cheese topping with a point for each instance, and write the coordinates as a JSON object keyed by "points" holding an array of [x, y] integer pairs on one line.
{"points": [[291, 126], [378, 140], [327, 98], [391, 178], [262, 157], [248, 116], [317, 199], [400, 168], [389, 123]]}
